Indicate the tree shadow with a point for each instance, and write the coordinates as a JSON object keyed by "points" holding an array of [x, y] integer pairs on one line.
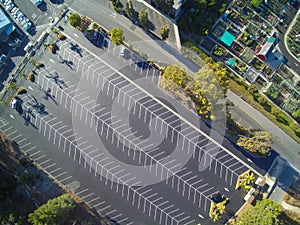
{"points": [[43, 6], [55, 78], [57, 2], [76, 48]]}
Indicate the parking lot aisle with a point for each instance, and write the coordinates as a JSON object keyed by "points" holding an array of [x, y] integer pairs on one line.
{"points": [[63, 177], [70, 146], [180, 182], [228, 168]]}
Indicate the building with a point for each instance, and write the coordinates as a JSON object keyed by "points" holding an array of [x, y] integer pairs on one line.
{"points": [[6, 26], [266, 48], [176, 8]]}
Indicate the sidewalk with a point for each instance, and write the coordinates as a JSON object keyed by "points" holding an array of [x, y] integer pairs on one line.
{"points": [[286, 34], [157, 19]]}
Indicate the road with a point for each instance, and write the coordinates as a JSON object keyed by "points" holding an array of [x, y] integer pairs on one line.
{"points": [[283, 28]]}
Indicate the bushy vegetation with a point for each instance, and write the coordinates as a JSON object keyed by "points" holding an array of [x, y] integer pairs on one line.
{"points": [[75, 19], [258, 142], [200, 15], [265, 212], [117, 36], [55, 211]]}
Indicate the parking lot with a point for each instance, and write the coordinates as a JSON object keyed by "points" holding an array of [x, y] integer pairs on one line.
{"points": [[99, 119]]}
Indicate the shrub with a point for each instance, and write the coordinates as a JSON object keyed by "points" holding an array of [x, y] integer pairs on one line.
{"points": [[75, 19]]}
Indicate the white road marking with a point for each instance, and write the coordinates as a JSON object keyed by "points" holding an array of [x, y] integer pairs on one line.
{"points": [[12, 116]]}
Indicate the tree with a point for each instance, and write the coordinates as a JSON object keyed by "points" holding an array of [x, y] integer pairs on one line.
{"points": [[246, 181], [296, 115], [258, 142], [117, 36], [55, 211], [164, 32], [11, 86], [255, 3], [265, 212], [143, 18], [129, 9], [164, 5], [177, 74], [22, 76], [75, 19]]}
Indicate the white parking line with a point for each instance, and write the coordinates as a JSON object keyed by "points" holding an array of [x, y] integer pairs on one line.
{"points": [[41, 163], [78, 193], [100, 203], [106, 207], [86, 196], [47, 167], [67, 178], [35, 153], [53, 171], [95, 199]]}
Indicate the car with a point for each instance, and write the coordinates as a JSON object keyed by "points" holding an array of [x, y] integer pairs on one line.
{"points": [[13, 9], [27, 25], [16, 14], [7, 2], [21, 18], [122, 51], [14, 104], [9, 7], [28, 47], [96, 34]]}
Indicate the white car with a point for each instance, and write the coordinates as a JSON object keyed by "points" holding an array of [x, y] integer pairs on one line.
{"points": [[27, 25], [28, 47], [9, 7], [13, 9], [7, 2], [16, 13]]}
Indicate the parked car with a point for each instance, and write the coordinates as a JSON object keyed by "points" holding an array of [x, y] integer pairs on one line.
{"points": [[28, 47], [9, 7], [122, 51], [7, 2], [13, 9], [27, 25]]}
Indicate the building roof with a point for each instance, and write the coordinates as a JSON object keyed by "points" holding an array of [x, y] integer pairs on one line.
{"points": [[4, 21], [227, 38], [231, 62], [266, 48]]}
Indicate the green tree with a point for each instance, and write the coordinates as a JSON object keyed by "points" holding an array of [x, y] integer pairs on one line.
{"points": [[265, 212], [164, 5], [55, 211], [252, 89], [246, 181], [129, 9], [143, 18], [117, 36], [296, 115], [164, 32], [22, 76], [177, 74], [256, 3], [75, 19], [258, 142], [11, 86]]}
